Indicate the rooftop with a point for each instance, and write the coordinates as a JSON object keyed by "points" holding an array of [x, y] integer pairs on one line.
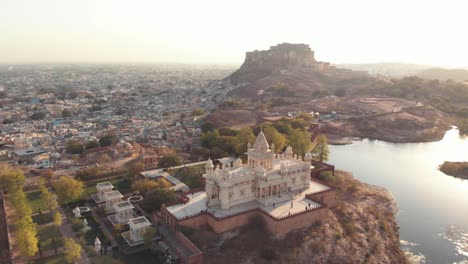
{"points": [[29, 151], [122, 206], [112, 195], [104, 186], [139, 222]]}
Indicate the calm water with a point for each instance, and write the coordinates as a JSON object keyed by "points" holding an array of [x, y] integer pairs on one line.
{"points": [[433, 215]]}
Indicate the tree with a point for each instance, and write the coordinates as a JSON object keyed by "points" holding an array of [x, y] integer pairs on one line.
{"points": [[74, 147], [104, 158], [38, 116], [7, 121], [169, 160], [273, 136], [155, 198], [144, 186], [306, 117], [148, 237], [68, 189], [49, 198], [27, 240], [108, 140], [135, 168], [95, 107], [10, 178], [300, 141], [47, 174], [57, 219], [91, 145], [88, 172], [245, 136], [72, 250], [207, 126], [321, 150], [198, 112], [66, 113], [25, 229]]}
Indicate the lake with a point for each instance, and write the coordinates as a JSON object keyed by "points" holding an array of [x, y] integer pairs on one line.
{"points": [[433, 216]]}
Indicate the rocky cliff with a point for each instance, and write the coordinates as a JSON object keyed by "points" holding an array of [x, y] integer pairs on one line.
{"points": [[361, 229], [292, 64]]}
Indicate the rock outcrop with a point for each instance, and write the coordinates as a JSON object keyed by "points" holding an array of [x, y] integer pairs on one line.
{"points": [[294, 65], [280, 58], [361, 229]]}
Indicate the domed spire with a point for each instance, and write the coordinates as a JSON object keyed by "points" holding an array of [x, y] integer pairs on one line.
{"points": [[261, 143]]}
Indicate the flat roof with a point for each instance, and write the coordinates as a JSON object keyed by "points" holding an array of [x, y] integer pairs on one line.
{"points": [[112, 195], [139, 222], [125, 205], [104, 186], [29, 151]]}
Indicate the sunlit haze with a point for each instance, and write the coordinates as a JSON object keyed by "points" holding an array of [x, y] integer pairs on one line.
{"points": [[213, 31]]}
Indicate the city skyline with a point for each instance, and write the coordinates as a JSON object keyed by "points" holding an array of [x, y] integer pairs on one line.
{"points": [[209, 32]]}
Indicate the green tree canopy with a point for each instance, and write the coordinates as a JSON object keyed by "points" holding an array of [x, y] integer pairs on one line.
{"points": [[321, 150], [169, 160], [72, 250], [74, 147], [68, 189], [10, 178], [108, 140], [300, 141], [198, 112]]}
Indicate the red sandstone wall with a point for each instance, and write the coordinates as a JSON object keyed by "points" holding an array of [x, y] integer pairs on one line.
{"points": [[328, 198], [278, 228]]}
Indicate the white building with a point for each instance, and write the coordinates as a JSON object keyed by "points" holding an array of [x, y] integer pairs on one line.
{"points": [[138, 227], [123, 213], [111, 198], [102, 188], [265, 177]]}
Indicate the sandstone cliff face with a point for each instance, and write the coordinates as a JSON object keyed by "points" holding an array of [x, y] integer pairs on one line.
{"points": [[285, 56], [361, 229]]}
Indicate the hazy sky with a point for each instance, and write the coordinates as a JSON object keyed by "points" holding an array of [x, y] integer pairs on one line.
{"points": [[217, 31]]}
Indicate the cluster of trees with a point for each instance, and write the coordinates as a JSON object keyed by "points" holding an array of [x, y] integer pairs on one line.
{"points": [[225, 141], [156, 197], [77, 147], [192, 176], [68, 189], [50, 201], [197, 112], [11, 180], [169, 160], [88, 173], [67, 113], [144, 186], [37, 116], [281, 89]]}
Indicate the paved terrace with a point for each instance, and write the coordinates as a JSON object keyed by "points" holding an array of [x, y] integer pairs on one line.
{"points": [[281, 209]]}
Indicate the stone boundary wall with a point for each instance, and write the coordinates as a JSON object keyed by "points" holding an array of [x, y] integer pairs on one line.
{"points": [[277, 226], [197, 256], [5, 249]]}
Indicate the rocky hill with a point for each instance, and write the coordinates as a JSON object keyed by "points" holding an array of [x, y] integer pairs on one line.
{"points": [[361, 229], [293, 65]]}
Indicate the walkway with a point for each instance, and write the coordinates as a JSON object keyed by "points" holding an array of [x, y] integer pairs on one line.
{"points": [[67, 231]]}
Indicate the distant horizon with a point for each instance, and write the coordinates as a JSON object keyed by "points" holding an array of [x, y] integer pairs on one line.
{"points": [[425, 32], [129, 63]]}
